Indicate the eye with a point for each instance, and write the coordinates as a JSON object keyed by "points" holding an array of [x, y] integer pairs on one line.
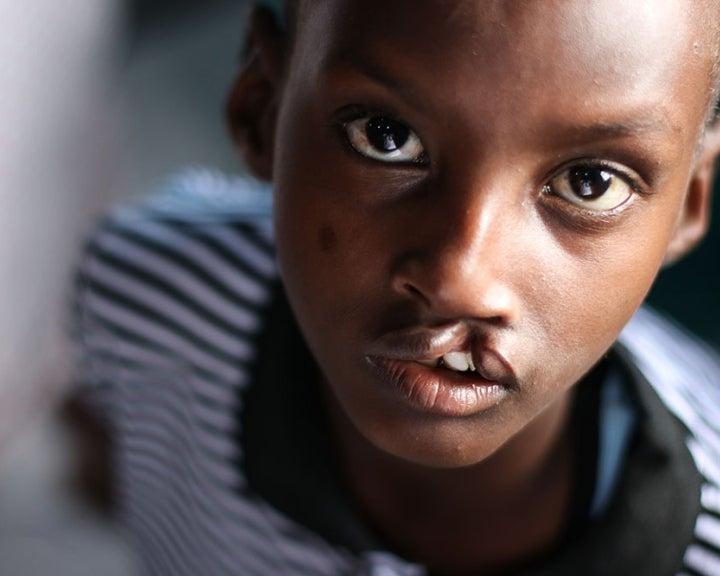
{"points": [[385, 139], [595, 188]]}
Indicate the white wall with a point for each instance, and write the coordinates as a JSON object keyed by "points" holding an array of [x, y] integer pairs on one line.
{"points": [[59, 162]]}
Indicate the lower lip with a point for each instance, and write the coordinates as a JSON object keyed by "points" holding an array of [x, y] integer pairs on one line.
{"points": [[438, 391]]}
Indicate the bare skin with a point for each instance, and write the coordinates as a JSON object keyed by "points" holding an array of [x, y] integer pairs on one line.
{"points": [[501, 180]]}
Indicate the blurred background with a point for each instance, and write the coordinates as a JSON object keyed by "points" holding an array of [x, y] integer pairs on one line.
{"points": [[100, 101]]}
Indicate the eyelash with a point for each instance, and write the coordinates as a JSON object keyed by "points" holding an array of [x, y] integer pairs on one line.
{"points": [[343, 124], [617, 172]]}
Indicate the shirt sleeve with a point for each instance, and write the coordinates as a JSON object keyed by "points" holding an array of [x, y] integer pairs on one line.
{"points": [[96, 343]]}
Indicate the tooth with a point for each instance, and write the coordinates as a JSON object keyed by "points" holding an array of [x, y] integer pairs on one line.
{"points": [[457, 361]]}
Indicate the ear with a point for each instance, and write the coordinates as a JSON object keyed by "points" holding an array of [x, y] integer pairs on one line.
{"points": [[694, 218], [252, 107]]}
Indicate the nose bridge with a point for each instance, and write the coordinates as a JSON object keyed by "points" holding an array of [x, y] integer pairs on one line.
{"points": [[459, 262]]}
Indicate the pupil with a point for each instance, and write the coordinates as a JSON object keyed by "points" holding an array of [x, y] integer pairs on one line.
{"points": [[385, 134], [590, 183]]}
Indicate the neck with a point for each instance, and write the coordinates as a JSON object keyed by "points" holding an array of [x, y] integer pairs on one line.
{"points": [[495, 514]]}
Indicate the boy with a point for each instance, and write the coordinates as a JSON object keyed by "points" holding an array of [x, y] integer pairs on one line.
{"points": [[471, 200]]}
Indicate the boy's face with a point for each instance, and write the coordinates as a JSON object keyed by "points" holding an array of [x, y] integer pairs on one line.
{"points": [[498, 179]]}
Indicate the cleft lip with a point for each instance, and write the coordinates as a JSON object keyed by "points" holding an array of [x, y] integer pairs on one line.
{"points": [[427, 345]]}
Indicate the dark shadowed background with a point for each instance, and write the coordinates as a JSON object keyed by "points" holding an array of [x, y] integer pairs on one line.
{"points": [[690, 290]]}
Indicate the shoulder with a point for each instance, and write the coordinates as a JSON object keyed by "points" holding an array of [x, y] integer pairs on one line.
{"points": [[683, 370], [196, 204], [183, 273], [655, 339], [172, 296], [685, 373]]}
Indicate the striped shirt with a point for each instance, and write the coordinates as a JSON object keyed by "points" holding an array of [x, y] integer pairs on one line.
{"points": [[172, 307]]}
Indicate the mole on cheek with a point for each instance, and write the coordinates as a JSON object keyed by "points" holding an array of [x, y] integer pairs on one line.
{"points": [[328, 238]]}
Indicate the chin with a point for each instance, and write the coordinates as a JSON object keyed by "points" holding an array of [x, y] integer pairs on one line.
{"points": [[438, 444]]}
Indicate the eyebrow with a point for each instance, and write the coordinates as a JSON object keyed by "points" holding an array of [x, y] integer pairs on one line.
{"points": [[362, 65], [635, 123], [629, 127]]}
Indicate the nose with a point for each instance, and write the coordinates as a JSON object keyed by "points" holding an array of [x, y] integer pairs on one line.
{"points": [[461, 257]]}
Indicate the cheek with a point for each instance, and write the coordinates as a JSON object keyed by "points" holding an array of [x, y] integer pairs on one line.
{"points": [[327, 239], [587, 300], [579, 291], [330, 267], [329, 242]]}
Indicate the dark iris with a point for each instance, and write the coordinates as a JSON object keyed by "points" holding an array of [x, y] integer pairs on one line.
{"points": [[385, 134], [590, 183]]}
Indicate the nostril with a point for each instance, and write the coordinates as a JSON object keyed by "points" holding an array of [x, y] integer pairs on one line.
{"points": [[414, 292], [410, 289]]}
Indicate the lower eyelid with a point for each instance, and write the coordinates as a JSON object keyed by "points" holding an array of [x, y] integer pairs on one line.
{"points": [[583, 216], [586, 222]]}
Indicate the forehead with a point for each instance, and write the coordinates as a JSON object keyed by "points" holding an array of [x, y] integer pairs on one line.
{"points": [[515, 52], [619, 24]]}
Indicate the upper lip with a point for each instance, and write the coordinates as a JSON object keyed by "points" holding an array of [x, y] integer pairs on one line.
{"points": [[425, 344]]}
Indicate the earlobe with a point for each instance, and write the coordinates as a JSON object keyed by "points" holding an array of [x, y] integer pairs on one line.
{"points": [[252, 107], [694, 218]]}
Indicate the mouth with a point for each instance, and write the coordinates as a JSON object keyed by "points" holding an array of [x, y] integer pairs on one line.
{"points": [[446, 371], [456, 361]]}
